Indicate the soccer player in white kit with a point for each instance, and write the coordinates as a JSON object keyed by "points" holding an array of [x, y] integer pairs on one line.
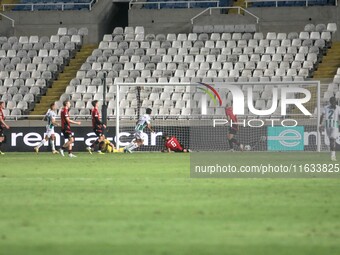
{"points": [[50, 117], [143, 122], [331, 114]]}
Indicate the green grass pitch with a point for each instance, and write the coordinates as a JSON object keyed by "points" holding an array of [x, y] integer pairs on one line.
{"points": [[146, 203]]}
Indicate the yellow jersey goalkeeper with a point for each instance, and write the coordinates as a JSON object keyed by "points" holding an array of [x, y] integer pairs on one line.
{"points": [[107, 147]]}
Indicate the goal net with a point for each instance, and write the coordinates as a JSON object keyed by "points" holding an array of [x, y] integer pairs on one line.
{"points": [[271, 116]]}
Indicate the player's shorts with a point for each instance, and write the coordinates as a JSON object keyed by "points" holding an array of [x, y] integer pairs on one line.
{"points": [[232, 131], [67, 134], [138, 135], [49, 131], [98, 131], [332, 133]]}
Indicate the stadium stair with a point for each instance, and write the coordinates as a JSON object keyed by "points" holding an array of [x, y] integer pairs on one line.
{"points": [[326, 70], [58, 87], [238, 3], [330, 63]]}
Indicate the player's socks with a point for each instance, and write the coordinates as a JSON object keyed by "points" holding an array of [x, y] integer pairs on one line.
{"points": [[96, 142], [41, 143], [89, 149], [134, 146], [233, 140], [36, 149], [70, 154], [333, 157], [61, 150], [52, 145], [231, 145], [127, 147]]}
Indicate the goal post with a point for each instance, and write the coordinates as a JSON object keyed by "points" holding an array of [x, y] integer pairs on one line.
{"points": [[173, 124], [272, 116]]}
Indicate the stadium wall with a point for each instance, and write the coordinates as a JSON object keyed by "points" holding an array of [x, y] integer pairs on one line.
{"points": [[283, 19], [99, 21], [6, 27]]}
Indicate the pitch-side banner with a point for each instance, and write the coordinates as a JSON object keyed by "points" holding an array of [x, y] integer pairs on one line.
{"points": [[24, 139]]}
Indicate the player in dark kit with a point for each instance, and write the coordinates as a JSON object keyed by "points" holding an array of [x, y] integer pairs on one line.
{"points": [[66, 129], [2, 126], [98, 128], [233, 129], [173, 145]]}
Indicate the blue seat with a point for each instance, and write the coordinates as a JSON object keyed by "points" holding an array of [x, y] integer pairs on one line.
{"points": [[294, 3], [41, 5], [196, 4]]}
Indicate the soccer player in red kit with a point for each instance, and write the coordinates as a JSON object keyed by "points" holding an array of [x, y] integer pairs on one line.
{"points": [[2, 125], [97, 126], [172, 144], [66, 129], [233, 129]]}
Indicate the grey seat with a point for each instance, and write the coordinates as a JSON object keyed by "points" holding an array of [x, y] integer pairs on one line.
{"points": [[16, 112], [118, 31], [34, 91], [72, 31], [30, 97], [47, 75], [64, 39], [14, 92], [320, 28]]}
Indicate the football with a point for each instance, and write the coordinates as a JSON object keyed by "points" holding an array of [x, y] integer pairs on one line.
{"points": [[247, 147]]}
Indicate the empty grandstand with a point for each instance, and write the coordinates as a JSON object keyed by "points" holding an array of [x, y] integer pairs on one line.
{"points": [[209, 54], [29, 65]]}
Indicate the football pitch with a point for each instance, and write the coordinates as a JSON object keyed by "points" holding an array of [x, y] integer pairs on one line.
{"points": [[146, 203]]}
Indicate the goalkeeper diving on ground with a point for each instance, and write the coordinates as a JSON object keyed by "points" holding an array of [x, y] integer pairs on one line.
{"points": [[108, 147]]}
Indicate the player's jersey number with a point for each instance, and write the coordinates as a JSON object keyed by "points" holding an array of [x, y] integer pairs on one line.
{"points": [[173, 144], [330, 114]]}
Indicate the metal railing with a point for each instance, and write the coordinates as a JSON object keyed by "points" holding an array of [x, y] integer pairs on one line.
{"points": [[5, 16], [34, 6], [233, 7], [159, 3], [41, 117], [277, 1]]}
